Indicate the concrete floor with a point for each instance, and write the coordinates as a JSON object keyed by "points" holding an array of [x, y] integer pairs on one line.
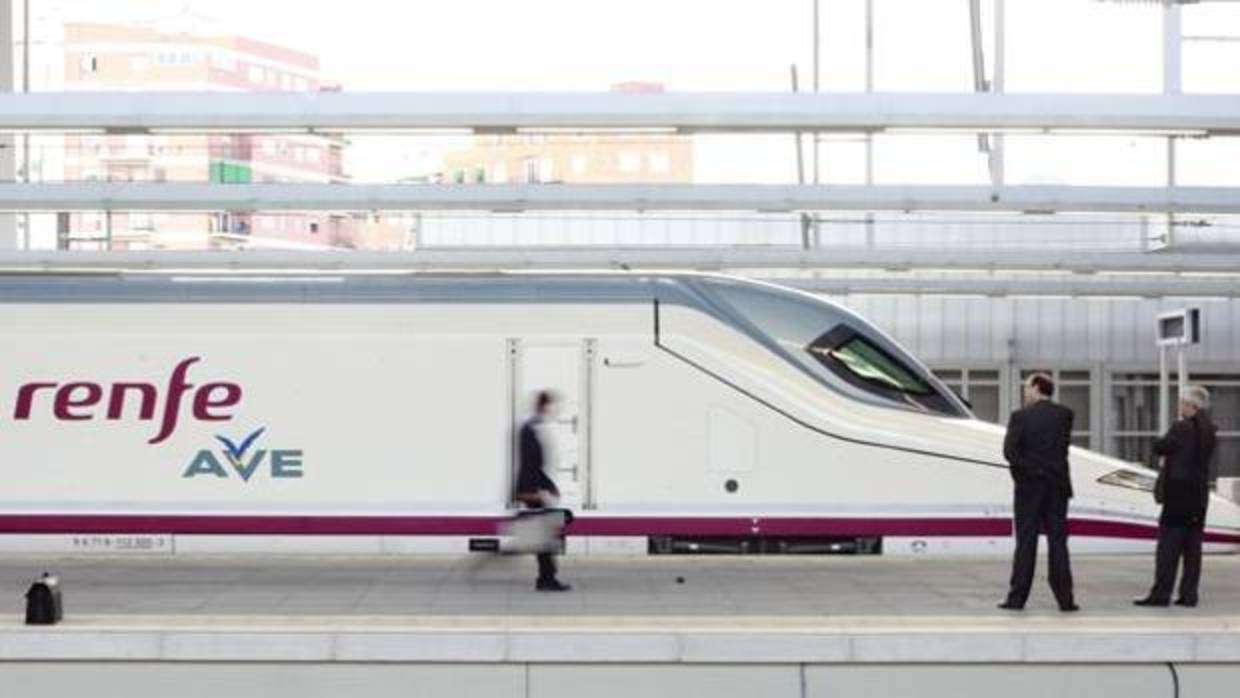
{"points": [[641, 587]]}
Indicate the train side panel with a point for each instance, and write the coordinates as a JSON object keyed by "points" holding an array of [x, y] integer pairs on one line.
{"points": [[341, 408]]}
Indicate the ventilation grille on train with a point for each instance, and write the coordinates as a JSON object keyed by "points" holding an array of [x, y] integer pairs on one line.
{"points": [[719, 545]]}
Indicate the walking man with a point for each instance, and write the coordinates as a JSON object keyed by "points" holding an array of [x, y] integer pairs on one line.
{"points": [[1036, 449], [534, 488], [1183, 489]]}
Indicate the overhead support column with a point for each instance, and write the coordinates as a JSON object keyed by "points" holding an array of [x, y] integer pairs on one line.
{"points": [[869, 136], [1171, 86], [996, 86], [8, 155]]}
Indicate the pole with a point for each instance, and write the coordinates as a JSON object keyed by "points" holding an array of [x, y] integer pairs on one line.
{"points": [[25, 236], [797, 136], [1163, 389], [1172, 46], [806, 221], [816, 70], [996, 86], [9, 238], [869, 137], [1181, 371]]}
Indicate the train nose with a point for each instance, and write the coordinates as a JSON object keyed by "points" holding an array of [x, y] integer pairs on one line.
{"points": [[1223, 519]]}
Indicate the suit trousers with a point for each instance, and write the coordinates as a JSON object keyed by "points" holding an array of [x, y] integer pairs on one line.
{"points": [[546, 567], [1174, 543], [1040, 504]]}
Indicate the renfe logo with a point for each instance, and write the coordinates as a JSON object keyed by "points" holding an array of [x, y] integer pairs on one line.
{"points": [[83, 400], [285, 463]]}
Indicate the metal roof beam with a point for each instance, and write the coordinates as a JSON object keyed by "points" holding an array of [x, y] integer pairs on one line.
{"points": [[137, 112], [750, 259], [1042, 288], [147, 196]]}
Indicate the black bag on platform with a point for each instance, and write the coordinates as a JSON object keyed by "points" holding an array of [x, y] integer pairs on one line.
{"points": [[43, 603]]}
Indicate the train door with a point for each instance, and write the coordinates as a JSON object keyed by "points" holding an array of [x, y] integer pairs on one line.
{"points": [[565, 368]]}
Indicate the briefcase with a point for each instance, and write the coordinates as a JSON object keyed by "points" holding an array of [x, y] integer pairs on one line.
{"points": [[535, 531]]}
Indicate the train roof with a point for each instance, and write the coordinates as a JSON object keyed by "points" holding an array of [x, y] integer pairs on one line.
{"points": [[767, 313], [327, 287]]}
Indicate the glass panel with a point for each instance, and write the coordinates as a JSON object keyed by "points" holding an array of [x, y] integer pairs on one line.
{"points": [[977, 375], [1225, 407], [1227, 456], [1076, 397], [1074, 376], [1214, 377], [1135, 449], [1081, 440], [870, 362], [835, 346], [1141, 377], [985, 399], [1134, 408], [950, 376]]}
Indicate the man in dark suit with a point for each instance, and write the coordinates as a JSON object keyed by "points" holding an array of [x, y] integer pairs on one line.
{"points": [[1183, 489], [533, 488], [1036, 448]]}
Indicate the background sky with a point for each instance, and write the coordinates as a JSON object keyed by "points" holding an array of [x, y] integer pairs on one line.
{"points": [[920, 45]]}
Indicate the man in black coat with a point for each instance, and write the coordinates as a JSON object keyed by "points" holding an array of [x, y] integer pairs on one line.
{"points": [[1183, 489], [1036, 448], [533, 488]]}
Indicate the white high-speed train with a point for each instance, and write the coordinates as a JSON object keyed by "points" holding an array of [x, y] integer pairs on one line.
{"points": [[700, 412]]}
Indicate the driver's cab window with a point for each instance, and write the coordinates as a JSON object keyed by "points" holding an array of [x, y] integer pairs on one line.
{"points": [[835, 347]]}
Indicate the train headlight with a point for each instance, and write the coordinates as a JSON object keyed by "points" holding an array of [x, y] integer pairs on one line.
{"points": [[1130, 479]]}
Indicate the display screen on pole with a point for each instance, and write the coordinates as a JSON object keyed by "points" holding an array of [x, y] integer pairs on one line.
{"points": [[1179, 327]]}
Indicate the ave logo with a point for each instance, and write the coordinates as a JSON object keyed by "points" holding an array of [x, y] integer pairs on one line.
{"points": [[244, 459]]}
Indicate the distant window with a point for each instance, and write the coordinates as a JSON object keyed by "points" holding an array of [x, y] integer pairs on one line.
{"points": [[660, 163], [89, 64], [140, 64], [579, 164], [630, 162], [530, 170], [980, 386], [223, 61], [313, 155], [255, 73], [499, 172]]}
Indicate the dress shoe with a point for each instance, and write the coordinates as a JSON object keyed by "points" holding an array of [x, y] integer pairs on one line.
{"points": [[1009, 606], [1069, 608], [1151, 601], [1186, 603], [551, 585]]}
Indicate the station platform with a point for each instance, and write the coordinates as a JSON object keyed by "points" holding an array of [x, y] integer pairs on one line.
{"points": [[461, 626]]}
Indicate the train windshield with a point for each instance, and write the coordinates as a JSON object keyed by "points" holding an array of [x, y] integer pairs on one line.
{"points": [[835, 346], [857, 359]]}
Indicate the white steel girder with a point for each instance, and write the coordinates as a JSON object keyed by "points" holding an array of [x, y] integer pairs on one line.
{"points": [[139, 112], [774, 198]]}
